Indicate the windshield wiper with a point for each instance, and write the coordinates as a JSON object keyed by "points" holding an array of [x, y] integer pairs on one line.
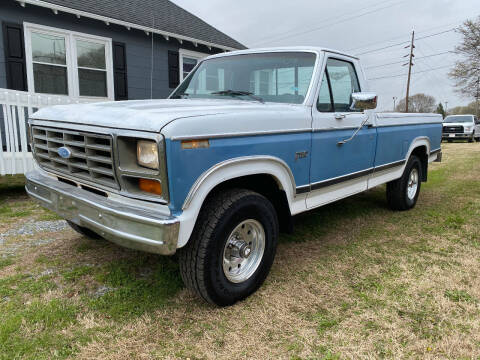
{"points": [[239, 93], [181, 95]]}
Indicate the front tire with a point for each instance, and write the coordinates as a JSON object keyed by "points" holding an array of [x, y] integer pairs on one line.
{"points": [[402, 194], [232, 247]]}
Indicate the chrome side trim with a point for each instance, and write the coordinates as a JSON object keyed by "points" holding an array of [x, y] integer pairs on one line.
{"points": [[240, 134], [390, 165], [433, 152], [303, 189], [412, 124], [351, 176], [339, 179], [235, 161]]}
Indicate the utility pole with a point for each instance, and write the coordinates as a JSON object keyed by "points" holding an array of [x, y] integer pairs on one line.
{"points": [[410, 64], [478, 96], [446, 107], [394, 102]]}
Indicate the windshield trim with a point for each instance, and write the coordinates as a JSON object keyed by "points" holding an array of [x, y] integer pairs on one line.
{"points": [[311, 86]]}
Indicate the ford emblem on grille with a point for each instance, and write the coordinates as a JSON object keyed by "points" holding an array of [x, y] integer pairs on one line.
{"points": [[64, 152]]}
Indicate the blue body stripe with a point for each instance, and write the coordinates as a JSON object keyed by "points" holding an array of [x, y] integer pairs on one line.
{"points": [[372, 147], [393, 142], [330, 160], [185, 166]]}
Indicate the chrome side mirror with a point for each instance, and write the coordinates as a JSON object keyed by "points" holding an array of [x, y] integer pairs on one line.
{"points": [[364, 101]]}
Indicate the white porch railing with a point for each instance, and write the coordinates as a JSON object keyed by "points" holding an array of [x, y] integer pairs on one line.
{"points": [[17, 106]]}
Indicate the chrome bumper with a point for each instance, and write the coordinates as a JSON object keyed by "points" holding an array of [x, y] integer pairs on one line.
{"points": [[129, 226], [457, 135]]}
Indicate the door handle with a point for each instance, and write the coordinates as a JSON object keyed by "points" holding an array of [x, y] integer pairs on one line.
{"points": [[364, 122], [339, 116]]}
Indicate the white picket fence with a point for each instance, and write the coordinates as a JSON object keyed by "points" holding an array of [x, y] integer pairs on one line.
{"points": [[17, 106]]}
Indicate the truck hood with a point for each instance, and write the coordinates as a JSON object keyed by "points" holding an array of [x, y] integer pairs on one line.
{"points": [[145, 115]]}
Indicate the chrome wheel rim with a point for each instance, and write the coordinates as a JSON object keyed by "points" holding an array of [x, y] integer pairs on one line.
{"points": [[412, 185], [243, 251]]}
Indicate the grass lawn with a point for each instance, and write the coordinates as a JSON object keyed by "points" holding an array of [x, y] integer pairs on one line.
{"points": [[355, 280]]}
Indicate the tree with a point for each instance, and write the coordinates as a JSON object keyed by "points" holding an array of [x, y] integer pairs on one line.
{"points": [[470, 109], [440, 110], [466, 72], [418, 103]]}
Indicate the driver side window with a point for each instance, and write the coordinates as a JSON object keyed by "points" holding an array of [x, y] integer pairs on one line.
{"points": [[339, 82]]}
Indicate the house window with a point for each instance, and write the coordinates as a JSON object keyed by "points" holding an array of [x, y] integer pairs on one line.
{"points": [[49, 64], [62, 62], [188, 60]]}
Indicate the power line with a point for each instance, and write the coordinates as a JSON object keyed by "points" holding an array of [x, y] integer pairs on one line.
{"points": [[333, 22], [439, 33], [417, 58], [404, 42], [455, 24], [416, 72]]}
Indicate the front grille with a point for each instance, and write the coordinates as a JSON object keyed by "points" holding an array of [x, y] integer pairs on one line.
{"points": [[91, 156], [453, 129]]}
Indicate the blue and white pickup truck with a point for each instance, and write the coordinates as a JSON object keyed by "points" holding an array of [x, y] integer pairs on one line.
{"points": [[248, 140]]}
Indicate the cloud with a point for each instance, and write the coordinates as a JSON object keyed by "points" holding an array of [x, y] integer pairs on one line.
{"points": [[355, 26]]}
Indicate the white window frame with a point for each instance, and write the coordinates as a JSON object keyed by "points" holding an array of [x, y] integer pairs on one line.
{"points": [[71, 38], [189, 54]]}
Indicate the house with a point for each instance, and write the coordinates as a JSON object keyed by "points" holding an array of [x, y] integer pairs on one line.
{"points": [[102, 48], [61, 51]]}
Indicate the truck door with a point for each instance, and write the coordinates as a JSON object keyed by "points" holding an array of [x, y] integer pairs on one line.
{"points": [[338, 170]]}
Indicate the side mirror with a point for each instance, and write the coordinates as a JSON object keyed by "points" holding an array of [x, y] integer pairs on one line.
{"points": [[364, 101]]}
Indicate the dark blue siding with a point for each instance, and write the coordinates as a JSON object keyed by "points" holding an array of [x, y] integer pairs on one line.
{"points": [[138, 46]]}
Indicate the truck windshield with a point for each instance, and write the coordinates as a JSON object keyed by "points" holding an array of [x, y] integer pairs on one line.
{"points": [[282, 77], [458, 119]]}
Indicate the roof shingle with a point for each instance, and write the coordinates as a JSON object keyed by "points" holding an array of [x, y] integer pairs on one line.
{"points": [[161, 14]]}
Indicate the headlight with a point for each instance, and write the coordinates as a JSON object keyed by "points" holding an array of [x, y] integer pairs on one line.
{"points": [[147, 154], [468, 128]]}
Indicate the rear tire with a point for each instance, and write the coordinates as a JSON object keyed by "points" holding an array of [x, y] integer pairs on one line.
{"points": [[206, 263], [84, 231], [402, 194]]}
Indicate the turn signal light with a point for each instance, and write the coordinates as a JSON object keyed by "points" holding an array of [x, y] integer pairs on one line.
{"points": [[195, 144], [150, 186]]}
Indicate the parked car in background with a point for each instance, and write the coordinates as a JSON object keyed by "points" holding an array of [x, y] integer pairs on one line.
{"points": [[249, 139], [461, 127]]}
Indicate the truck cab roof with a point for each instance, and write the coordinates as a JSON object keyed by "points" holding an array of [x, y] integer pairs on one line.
{"points": [[315, 49]]}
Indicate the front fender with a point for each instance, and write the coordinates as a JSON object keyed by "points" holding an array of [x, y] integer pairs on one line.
{"points": [[227, 170]]}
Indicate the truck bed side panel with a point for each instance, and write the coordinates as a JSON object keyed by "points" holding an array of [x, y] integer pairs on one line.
{"points": [[393, 142]]}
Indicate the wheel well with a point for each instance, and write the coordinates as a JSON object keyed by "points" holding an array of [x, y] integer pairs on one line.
{"points": [[267, 186], [421, 153]]}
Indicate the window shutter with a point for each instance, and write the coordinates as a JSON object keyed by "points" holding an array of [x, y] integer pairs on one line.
{"points": [[173, 69], [120, 71], [15, 56]]}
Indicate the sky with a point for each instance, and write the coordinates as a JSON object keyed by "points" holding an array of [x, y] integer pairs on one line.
{"points": [[357, 27]]}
